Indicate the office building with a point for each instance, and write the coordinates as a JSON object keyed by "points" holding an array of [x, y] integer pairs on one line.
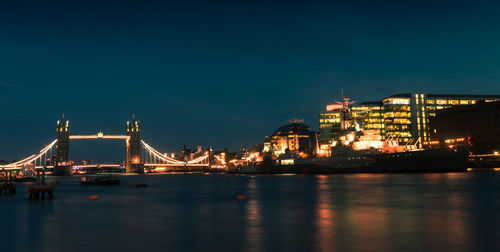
{"points": [[476, 125], [404, 117]]}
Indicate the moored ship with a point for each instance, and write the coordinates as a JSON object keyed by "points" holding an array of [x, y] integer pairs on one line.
{"points": [[367, 161], [432, 160], [363, 151]]}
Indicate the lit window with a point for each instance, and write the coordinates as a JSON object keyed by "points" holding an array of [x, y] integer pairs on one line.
{"points": [[397, 101]]}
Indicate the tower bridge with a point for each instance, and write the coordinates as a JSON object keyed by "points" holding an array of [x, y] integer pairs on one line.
{"points": [[139, 153]]}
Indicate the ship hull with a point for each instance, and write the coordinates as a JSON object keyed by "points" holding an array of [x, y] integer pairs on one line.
{"points": [[425, 161]]}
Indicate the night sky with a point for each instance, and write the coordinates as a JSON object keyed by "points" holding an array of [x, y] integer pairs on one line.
{"points": [[225, 74]]}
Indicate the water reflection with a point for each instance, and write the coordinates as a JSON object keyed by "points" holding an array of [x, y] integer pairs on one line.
{"points": [[395, 212], [254, 229], [356, 212], [324, 214]]}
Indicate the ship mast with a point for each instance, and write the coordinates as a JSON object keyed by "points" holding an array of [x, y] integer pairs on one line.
{"points": [[295, 119], [344, 114]]}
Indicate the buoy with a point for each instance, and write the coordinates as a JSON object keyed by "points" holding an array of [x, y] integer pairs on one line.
{"points": [[140, 185], [94, 197], [242, 197]]}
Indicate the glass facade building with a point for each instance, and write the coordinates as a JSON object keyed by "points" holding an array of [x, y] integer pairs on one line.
{"points": [[367, 115], [404, 117], [329, 126]]}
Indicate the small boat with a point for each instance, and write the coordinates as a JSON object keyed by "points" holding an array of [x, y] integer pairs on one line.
{"points": [[98, 180]]}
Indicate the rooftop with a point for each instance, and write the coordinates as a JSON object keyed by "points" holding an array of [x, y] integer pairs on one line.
{"points": [[407, 95], [480, 106], [296, 128]]}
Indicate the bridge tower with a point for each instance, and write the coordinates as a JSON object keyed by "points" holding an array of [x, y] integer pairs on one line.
{"points": [[134, 147], [211, 157], [62, 162]]}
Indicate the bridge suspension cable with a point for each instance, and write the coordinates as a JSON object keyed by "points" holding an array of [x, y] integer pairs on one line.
{"points": [[156, 154], [30, 159], [198, 160]]}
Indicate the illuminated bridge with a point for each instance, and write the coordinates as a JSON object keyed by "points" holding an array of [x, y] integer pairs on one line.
{"points": [[139, 153]]}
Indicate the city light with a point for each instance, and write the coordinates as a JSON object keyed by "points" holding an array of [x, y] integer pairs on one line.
{"points": [[455, 140], [287, 161]]}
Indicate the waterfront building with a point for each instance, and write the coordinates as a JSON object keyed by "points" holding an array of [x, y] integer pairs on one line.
{"points": [[366, 115], [86, 162], [189, 154], [329, 125], [404, 117], [295, 138], [476, 125]]}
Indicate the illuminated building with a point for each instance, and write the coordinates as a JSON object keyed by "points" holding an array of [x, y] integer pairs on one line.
{"points": [[329, 126], [295, 138], [402, 117], [397, 118], [367, 115], [406, 116], [474, 124], [86, 162]]}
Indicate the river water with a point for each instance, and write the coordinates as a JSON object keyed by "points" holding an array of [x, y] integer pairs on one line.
{"points": [[201, 212]]}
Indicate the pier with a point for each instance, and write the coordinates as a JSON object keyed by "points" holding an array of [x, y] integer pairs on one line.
{"points": [[38, 191], [8, 186]]}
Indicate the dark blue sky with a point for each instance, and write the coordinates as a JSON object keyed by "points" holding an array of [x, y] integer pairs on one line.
{"points": [[225, 74]]}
